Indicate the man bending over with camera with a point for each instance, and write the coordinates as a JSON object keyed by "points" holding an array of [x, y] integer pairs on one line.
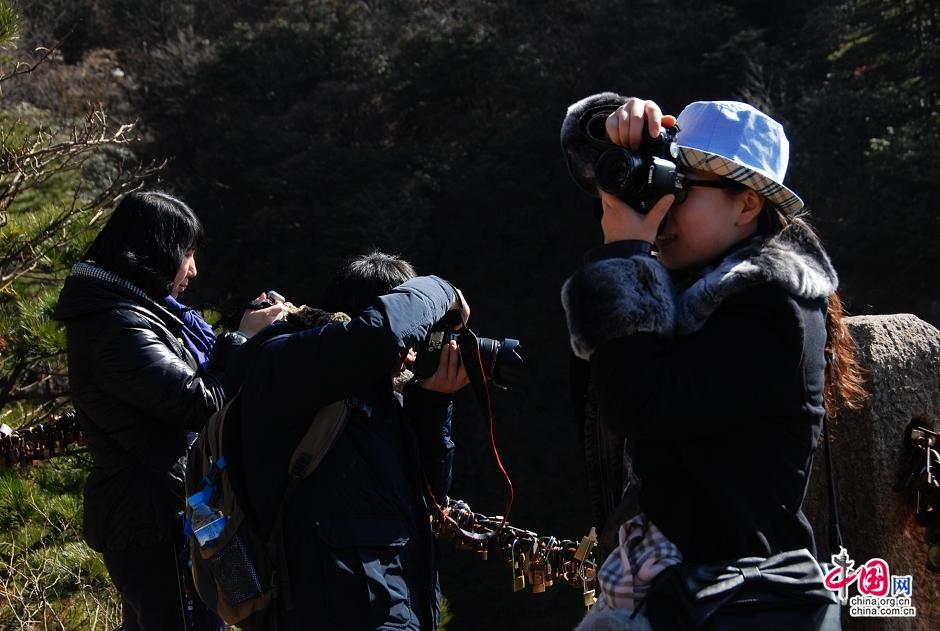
{"points": [[356, 537]]}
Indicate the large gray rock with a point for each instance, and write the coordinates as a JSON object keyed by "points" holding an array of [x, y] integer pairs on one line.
{"points": [[902, 354]]}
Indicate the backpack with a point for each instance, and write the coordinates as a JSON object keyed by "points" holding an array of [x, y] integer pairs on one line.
{"points": [[238, 572]]}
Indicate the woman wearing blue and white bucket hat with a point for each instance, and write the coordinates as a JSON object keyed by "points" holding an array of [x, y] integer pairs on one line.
{"points": [[716, 346]]}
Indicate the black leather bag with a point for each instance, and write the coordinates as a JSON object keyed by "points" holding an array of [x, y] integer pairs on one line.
{"points": [[785, 591]]}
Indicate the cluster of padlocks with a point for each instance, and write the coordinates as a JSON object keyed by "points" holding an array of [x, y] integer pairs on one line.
{"points": [[536, 561], [41, 441], [919, 477]]}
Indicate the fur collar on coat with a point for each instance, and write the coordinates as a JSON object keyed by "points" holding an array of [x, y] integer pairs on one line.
{"points": [[615, 297]]}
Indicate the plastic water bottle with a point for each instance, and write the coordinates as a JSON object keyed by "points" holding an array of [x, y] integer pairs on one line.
{"points": [[207, 523]]}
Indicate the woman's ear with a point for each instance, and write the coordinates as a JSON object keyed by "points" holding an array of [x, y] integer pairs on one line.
{"points": [[750, 211]]}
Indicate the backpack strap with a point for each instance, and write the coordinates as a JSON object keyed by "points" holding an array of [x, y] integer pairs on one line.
{"points": [[321, 435], [309, 453], [215, 426]]}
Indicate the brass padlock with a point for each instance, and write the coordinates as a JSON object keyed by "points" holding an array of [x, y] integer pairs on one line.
{"points": [[538, 584], [589, 599], [538, 577], [586, 545], [517, 561]]}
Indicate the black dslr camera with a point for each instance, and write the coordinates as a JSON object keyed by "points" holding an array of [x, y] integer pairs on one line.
{"points": [[640, 178], [500, 360]]}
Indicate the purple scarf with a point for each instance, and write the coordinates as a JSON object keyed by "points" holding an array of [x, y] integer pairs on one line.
{"points": [[197, 334]]}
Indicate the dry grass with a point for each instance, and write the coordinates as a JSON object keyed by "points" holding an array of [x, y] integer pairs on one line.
{"points": [[49, 578]]}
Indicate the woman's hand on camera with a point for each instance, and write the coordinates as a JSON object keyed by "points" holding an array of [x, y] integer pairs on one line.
{"points": [[621, 223], [626, 126], [254, 320], [450, 375]]}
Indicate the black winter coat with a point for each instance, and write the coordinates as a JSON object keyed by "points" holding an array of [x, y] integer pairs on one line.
{"points": [[359, 549], [717, 386], [139, 395]]}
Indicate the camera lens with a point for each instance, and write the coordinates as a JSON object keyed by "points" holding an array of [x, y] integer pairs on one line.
{"points": [[615, 170], [502, 360]]}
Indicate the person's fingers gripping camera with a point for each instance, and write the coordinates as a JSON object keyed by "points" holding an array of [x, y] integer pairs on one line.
{"points": [[625, 147], [267, 308], [450, 375], [498, 362]]}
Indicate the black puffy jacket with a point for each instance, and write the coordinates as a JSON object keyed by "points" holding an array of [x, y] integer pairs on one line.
{"points": [[139, 394], [716, 384]]}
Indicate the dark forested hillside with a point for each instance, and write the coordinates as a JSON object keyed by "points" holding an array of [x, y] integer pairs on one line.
{"points": [[332, 126], [306, 131]]}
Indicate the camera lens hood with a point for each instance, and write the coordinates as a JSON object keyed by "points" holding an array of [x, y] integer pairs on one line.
{"points": [[584, 136]]}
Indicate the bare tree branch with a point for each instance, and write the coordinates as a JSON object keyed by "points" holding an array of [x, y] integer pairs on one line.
{"points": [[24, 67]]}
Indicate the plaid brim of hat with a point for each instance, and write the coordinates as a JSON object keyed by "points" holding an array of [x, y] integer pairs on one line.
{"points": [[738, 142]]}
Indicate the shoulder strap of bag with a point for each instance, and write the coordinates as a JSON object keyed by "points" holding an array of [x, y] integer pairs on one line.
{"points": [[321, 435], [835, 533], [309, 453], [214, 428], [312, 448]]}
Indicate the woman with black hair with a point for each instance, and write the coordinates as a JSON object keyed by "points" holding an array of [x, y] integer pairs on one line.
{"points": [[142, 381]]}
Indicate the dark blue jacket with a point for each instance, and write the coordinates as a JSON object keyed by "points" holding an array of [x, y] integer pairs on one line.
{"points": [[359, 549]]}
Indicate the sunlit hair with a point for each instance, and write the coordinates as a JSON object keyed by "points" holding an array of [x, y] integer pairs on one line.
{"points": [[146, 239], [363, 279], [845, 376]]}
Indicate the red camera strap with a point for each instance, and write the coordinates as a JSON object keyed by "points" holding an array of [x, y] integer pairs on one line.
{"points": [[473, 363]]}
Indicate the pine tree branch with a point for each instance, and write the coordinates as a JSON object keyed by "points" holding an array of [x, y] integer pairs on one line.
{"points": [[25, 68], [24, 257]]}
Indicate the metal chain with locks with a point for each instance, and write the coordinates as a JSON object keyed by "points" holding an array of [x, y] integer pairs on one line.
{"points": [[534, 560], [919, 477], [41, 441], [537, 561]]}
